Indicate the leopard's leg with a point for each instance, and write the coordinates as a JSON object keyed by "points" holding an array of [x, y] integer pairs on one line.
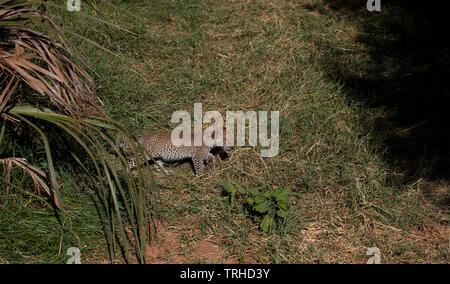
{"points": [[197, 161], [160, 167]]}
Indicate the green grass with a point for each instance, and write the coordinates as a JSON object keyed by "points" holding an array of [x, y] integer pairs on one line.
{"points": [[238, 55], [33, 232]]}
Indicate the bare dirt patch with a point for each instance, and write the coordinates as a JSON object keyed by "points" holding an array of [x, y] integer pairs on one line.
{"points": [[175, 245]]}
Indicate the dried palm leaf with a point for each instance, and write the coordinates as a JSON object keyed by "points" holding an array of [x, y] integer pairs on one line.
{"points": [[67, 85], [46, 67], [36, 175]]}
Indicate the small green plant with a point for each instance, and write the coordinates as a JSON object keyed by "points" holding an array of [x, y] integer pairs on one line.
{"points": [[232, 190], [268, 208], [271, 205]]}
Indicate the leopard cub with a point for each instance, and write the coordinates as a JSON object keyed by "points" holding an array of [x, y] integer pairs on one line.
{"points": [[158, 146]]}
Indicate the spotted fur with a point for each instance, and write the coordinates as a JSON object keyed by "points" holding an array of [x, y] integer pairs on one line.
{"points": [[158, 145]]}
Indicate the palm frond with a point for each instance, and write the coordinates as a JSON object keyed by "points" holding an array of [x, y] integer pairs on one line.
{"points": [[38, 176], [67, 85], [30, 58], [96, 136]]}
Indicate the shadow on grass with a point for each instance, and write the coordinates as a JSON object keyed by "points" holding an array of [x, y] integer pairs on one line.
{"points": [[407, 78]]}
